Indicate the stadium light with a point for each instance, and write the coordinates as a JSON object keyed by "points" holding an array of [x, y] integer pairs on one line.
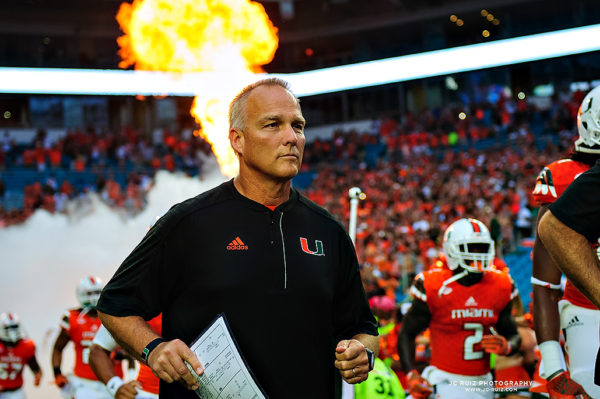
{"points": [[398, 69]]}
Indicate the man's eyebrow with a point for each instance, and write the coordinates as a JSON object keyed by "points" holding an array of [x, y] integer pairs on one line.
{"points": [[269, 118]]}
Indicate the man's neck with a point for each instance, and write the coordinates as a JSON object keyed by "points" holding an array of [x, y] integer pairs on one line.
{"points": [[267, 192], [469, 279]]}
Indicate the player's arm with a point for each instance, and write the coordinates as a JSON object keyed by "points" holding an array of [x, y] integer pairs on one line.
{"points": [[102, 365], [546, 290], [507, 340], [573, 254], [166, 359], [546, 294], [414, 322], [35, 368], [62, 340]]}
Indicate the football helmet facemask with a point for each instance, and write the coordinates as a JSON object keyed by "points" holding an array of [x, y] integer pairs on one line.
{"points": [[88, 291], [468, 244], [588, 123], [10, 328]]}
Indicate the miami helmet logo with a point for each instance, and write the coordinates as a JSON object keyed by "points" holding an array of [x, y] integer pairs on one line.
{"points": [[318, 245]]}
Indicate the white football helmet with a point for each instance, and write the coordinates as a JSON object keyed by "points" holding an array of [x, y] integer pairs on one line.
{"points": [[10, 328], [468, 244], [588, 123], [88, 291]]}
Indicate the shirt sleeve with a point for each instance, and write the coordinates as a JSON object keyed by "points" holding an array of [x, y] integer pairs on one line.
{"points": [[144, 282], [579, 206], [417, 290], [65, 322], [104, 339], [352, 314]]}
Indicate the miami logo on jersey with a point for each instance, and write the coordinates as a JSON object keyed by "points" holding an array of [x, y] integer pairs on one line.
{"points": [[472, 312]]}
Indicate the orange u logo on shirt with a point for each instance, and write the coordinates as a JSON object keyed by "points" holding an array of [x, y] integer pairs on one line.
{"points": [[319, 244]]}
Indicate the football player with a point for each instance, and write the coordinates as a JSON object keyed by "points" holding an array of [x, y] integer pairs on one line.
{"points": [[145, 386], [467, 308], [578, 318], [16, 351], [80, 326]]}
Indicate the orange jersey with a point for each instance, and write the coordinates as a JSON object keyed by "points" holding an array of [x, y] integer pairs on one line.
{"points": [[82, 329], [550, 184], [461, 315], [145, 375], [12, 362]]}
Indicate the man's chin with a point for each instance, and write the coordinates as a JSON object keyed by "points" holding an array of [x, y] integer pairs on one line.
{"points": [[287, 173]]}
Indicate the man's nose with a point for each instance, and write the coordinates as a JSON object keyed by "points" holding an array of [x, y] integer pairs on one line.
{"points": [[290, 135]]}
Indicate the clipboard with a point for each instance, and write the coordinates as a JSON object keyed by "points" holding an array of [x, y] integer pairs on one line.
{"points": [[226, 373]]}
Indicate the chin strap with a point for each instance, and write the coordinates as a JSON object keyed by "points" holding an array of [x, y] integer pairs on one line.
{"points": [[451, 280], [85, 310]]}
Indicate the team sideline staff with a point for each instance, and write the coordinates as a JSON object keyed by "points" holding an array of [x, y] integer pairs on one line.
{"points": [[281, 268]]}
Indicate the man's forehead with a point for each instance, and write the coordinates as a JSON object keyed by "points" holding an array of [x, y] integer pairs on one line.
{"points": [[271, 94], [272, 100]]}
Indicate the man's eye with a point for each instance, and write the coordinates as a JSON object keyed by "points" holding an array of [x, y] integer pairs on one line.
{"points": [[272, 124]]}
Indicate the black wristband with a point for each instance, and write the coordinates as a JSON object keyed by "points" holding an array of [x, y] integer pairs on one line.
{"points": [[150, 347], [371, 357], [57, 371]]}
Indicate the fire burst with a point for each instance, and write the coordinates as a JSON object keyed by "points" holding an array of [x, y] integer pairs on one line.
{"points": [[233, 36]]}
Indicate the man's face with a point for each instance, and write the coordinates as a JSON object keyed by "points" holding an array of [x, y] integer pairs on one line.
{"points": [[272, 141]]}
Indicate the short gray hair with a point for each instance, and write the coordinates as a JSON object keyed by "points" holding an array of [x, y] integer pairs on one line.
{"points": [[237, 108]]}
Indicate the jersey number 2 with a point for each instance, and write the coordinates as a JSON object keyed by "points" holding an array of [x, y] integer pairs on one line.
{"points": [[471, 340]]}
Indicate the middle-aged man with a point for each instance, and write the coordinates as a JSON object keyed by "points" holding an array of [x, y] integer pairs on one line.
{"points": [[282, 269]]}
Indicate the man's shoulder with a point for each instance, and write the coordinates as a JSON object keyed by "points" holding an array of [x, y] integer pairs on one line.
{"points": [[201, 202], [554, 179], [317, 210]]}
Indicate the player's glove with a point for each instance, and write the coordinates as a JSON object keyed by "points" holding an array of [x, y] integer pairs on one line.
{"points": [[37, 378], [563, 387], [495, 344], [418, 387], [60, 380]]}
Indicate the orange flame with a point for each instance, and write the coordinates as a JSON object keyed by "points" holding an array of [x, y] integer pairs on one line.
{"points": [[235, 36]]}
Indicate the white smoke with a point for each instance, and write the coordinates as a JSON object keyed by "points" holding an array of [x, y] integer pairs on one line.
{"points": [[44, 258]]}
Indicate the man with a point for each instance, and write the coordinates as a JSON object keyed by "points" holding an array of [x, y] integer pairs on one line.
{"points": [[145, 386], [282, 269], [462, 306], [16, 351], [572, 222], [80, 326], [578, 317]]}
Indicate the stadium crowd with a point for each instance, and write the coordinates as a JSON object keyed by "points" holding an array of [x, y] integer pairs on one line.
{"points": [[416, 170]]}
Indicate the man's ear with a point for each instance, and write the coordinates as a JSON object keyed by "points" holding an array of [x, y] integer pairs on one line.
{"points": [[236, 139]]}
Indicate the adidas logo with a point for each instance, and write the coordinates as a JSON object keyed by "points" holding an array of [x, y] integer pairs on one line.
{"points": [[574, 322], [237, 245], [471, 302]]}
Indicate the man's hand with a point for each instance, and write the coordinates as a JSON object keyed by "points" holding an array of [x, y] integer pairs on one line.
{"points": [[352, 361], [495, 344], [167, 362], [128, 390], [563, 387], [60, 380], [418, 387]]}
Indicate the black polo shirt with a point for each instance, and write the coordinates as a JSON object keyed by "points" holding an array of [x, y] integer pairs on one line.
{"points": [[287, 280]]}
